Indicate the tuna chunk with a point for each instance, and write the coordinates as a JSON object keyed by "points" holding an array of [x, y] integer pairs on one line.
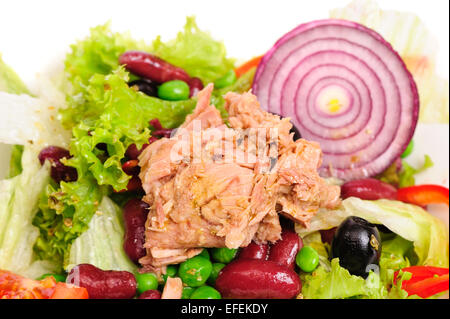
{"points": [[216, 186]]}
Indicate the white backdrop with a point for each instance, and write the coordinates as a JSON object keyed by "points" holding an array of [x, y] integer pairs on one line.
{"points": [[32, 33]]}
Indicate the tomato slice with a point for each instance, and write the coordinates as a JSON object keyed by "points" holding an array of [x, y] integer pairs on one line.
{"points": [[67, 291], [13, 286]]}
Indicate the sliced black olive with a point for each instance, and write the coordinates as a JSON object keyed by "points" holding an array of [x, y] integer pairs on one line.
{"points": [[357, 244], [145, 86]]}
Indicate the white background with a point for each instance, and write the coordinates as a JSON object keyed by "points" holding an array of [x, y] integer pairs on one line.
{"points": [[33, 33]]}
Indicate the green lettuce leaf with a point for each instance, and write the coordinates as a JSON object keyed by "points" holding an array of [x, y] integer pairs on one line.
{"points": [[406, 176], [338, 283], [15, 163], [10, 82], [196, 52], [19, 198], [427, 233], [102, 244]]}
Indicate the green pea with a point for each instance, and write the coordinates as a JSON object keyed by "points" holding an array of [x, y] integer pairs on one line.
{"points": [[173, 90], [216, 268], [206, 292], [226, 80], [58, 278], [195, 271], [146, 282], [307, 259], [187, 292], [408, 150], [204, 253], [223, 255], [171, 271]]}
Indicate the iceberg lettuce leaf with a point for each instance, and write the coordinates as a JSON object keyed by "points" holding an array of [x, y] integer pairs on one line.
{"points": [[102, 244], [19, 198]]}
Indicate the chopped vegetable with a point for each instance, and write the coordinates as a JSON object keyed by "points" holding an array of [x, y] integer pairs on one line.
{"points": [[228, 79], [67, 291], [195, 271], [307, 259], [175, 90], [13, 286], [423, 195], [223, 255], [350, 92], [339, 283], [425, 281], [205, 292], [244, 68], [147, 281], [408, 150], [407, 172]]}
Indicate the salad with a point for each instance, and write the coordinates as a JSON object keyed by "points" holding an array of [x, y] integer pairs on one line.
{"points": [[167, 170]]}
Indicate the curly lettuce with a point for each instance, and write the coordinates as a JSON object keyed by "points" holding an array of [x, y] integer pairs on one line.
{"points": [[196, 52]]}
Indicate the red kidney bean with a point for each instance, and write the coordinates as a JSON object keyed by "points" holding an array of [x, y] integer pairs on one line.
{"points": [[135, 215], [150, 294], [369, 189], [284, 251], [195, 86], [257, 279], [103, 284], [59, 172], [131, 167], [134, 185], [151, 67], [254, 251], [132, 151], [327, 235]]}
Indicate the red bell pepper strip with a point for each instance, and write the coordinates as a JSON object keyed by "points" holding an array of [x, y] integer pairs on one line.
{"points": [[247, 66], [425, 281], [428, 287], [423, 195]]}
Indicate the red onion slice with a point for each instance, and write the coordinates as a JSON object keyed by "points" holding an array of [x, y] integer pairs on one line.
{"points": [[345, 87]]}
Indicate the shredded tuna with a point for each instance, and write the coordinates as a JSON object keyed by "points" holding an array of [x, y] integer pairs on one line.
{"points": [[173, 288], [216, 186]]}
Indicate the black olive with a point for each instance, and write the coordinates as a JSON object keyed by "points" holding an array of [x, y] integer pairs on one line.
{"points": [[357, 244], [294, 129], [145, 86]]}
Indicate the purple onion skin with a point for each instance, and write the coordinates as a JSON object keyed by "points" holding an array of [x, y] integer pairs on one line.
{"points": [[368, 189], [59, 172]]}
